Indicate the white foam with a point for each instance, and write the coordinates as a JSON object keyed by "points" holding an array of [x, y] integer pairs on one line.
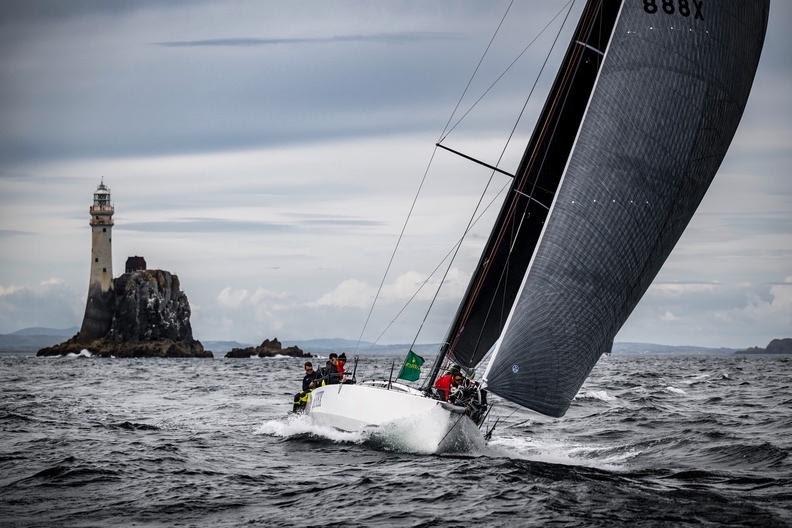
{"points": [[595, 395], [300, 424], [553, 452], [432, 432], [697, 379], [435, 431], [674, 390], [83, 353]]}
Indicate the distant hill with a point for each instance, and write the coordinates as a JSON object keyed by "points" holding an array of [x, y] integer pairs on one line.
{"points": [[221, 347], [42, 331], [338, 345], [323, 347], [629, 348], [776, 346], [33, 338], [331, 344]]}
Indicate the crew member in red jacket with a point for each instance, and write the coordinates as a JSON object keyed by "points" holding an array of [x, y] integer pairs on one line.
{"points": [[340, 367], [447, 381]]}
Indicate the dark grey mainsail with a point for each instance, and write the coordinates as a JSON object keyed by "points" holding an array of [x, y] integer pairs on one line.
{"points": [[670, 94]]}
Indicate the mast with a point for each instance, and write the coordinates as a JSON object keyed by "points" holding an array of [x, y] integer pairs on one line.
{"points": [[496, 280]]}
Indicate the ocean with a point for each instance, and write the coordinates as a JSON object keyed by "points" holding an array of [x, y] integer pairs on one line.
{"points": [[649, 441]]}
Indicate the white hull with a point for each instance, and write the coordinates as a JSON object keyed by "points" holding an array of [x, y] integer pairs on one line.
{"points": [[402, 416], [358, 407]]}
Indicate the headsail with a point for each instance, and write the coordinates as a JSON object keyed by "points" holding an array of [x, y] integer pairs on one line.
{"points": [[670, 94], [497, 278]]}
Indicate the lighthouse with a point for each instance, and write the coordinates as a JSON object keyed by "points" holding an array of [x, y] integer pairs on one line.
{"points": [[98, 307]]}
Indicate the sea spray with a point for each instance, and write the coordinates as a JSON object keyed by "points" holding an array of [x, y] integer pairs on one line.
{"points": [[300, 425], [428, 433]]}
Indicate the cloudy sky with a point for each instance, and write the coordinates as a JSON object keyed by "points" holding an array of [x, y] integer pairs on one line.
{"points": [[268, 153]]}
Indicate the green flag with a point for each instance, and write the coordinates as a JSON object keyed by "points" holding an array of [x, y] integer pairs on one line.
{"points": [[411, 370]]}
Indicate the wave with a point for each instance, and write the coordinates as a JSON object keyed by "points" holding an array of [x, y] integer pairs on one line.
{"points": [[134, 426], [15, 417], [600, 395], [674, 390], [557, 452], [301, 426], [69, 473], [735, 455]]}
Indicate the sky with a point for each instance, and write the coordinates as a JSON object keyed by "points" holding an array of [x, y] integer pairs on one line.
{"points": [[268, 154]]}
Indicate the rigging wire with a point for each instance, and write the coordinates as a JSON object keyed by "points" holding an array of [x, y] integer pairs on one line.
{"points": [[448, 254], [393, 254], [570, 4], [423, 178], [504, 72], [475, 71]]}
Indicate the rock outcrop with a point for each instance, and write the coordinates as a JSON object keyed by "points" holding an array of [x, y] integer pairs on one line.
{"points": [[776, 346], [150, 318], [267, 349]]}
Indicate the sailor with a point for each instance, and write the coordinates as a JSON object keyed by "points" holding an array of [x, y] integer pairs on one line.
{"points": [[311, 380], [330, 373], [447, 381], [340, 367]]}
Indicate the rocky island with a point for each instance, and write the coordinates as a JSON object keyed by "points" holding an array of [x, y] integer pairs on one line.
{"points": [[142, 313], [268, 349], [776, 346], [149, 316]]}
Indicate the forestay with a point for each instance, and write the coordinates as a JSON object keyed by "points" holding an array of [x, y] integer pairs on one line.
{"points": [[669, 96]]}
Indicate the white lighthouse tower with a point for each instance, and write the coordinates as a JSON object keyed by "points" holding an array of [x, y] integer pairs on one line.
{"points": [[98, 308]]}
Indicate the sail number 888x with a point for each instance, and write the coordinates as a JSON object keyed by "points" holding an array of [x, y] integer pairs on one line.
{"points": [[669, 7]]}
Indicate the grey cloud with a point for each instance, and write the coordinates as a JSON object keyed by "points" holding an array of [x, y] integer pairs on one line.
{"points": [[204, 225], [224, 225], [54, 305], [349, 222], [111, 96], [16, 11], [14, 232], [248, 42], [314, 219]]}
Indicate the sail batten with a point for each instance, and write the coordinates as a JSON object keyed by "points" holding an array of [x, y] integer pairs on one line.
{"points": [[663, 110]]}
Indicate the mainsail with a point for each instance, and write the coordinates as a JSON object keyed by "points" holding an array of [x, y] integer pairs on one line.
{"points": [[497, 278], [669, 95]]}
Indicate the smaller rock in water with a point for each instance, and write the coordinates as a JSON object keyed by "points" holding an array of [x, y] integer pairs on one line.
{"points": [[268, 348]]}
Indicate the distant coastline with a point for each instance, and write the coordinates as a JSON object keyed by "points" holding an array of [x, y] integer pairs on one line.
{"points": [[29, 340], [776, 346]]}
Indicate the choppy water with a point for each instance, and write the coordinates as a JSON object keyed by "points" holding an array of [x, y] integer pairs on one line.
{"points": [[649, 441]]}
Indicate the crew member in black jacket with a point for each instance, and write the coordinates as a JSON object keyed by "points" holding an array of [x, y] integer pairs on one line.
{"points": [[331, 374], [311, 380]]}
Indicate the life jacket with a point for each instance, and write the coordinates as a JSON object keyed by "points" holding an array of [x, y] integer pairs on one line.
{"points": [[443, 385]]}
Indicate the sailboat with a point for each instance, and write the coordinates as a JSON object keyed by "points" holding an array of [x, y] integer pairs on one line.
{"points": [[638, 120]]}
